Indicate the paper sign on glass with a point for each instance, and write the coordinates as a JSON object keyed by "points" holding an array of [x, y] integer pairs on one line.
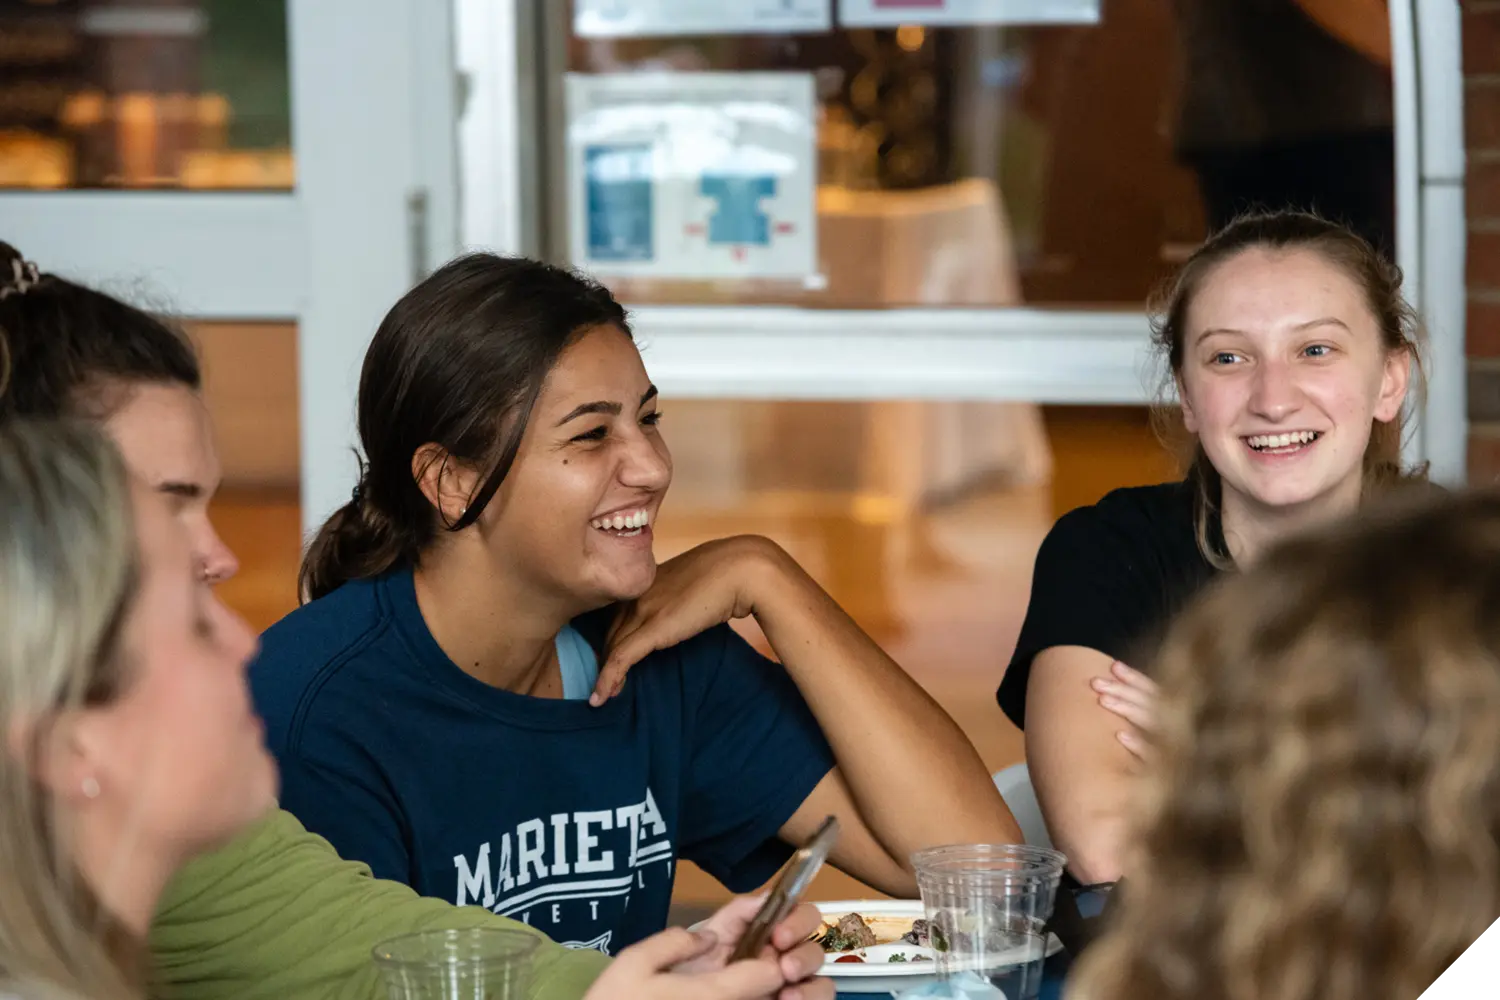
{"points": [[692, 175], [626, 18], [957, 13]]}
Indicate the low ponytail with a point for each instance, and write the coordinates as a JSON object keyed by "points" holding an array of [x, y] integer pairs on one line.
{"points": [[356, 543]]}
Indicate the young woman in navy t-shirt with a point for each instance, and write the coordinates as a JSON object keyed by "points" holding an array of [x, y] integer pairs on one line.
{"points": [[453, 705], [1291, 349]]}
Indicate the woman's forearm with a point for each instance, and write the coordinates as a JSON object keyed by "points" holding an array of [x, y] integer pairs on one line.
{"points": [[1085, 780], [915, 778]]}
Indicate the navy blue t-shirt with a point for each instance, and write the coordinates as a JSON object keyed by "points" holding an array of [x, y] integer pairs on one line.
{"points": [[553, 812]]}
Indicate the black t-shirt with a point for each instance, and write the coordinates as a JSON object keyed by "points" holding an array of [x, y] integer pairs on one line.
{"points": [[1110, 577]]}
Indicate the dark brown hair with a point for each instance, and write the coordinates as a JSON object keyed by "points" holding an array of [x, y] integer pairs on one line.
{"points": [[1377, 277], [458, 362], [66, 349], [1322, 821]]}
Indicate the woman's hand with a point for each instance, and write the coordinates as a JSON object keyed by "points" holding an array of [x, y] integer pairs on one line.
{"points": [[705, 586], [680, 964], [1132, 696]]}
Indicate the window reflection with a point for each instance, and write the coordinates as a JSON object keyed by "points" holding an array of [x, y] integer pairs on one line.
{"points": [[1067, 165], [144, 94]]}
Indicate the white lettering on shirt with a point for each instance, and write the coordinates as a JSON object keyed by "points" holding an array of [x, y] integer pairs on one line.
{"points": [[587, 864], [560, 844], [531, 848], [472, 880]]}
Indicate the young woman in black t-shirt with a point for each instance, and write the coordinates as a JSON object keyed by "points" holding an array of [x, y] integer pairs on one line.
{"points": [[1291, 350], [1321, 822]]}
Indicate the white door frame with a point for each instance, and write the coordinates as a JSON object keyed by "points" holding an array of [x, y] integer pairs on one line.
{"points": [[1427, 61], [374, 131]]}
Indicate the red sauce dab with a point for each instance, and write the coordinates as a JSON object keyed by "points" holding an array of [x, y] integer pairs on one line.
{"points": [[847, 958]]}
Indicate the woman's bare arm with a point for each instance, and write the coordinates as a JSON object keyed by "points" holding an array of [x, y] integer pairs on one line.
{"points": [[1084, 776]]}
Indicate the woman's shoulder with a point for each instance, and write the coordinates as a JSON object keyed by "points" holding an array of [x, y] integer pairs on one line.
{"points": [[331, 636], [1139, 536], [1134, 513], [335, 619]]}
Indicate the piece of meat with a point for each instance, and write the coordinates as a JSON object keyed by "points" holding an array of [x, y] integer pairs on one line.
{"points": [[918, 934], [853, 930]]}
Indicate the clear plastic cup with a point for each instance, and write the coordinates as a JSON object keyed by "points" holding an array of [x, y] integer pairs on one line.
{"points": [[478, 963], [987, 906]]}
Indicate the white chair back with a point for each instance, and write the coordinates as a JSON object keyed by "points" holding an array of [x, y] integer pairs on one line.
{"points": [[1015, 788]]}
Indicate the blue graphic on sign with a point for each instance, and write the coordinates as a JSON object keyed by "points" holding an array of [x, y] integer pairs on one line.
{"points": [[738, 218], [619, 181]]}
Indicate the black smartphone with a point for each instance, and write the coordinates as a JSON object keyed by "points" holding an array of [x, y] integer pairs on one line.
{"points": [[788, 891]]}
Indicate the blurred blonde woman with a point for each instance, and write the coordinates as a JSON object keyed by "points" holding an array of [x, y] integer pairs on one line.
{"points": [[131, 744], [1323, 818]]}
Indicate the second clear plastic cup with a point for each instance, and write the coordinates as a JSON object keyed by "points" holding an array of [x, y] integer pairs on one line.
{"points": [[480, 963], [987, 906]]}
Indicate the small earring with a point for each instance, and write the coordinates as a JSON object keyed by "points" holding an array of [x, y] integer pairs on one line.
{"points": [[90, 788]]}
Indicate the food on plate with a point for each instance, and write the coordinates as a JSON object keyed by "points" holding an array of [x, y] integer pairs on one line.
{"points": [[897, 958], [849, 933]]}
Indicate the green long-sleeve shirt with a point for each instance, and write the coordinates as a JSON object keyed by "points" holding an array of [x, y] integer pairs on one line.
{"points": [[278, 914]]}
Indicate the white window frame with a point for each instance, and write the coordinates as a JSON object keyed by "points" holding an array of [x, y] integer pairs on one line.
{"points": [[1431, 228]]}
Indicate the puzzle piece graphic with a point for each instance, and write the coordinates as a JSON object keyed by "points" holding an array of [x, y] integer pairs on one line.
{"points": [[738, 219]]}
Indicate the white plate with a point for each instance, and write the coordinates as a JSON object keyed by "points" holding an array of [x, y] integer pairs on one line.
{"points": [[878, 974]]}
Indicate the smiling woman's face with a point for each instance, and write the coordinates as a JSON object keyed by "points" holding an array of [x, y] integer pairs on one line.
{"points": [[574, 514], [1283, 374]]}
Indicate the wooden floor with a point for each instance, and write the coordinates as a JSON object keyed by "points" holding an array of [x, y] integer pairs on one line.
{"points": [[943, 589]]}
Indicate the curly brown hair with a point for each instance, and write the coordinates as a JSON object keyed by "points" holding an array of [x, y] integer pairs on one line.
{"points": [[1323, 819]]}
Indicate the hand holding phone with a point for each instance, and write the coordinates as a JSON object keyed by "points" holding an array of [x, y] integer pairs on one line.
{"points": [[788, 891]]}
